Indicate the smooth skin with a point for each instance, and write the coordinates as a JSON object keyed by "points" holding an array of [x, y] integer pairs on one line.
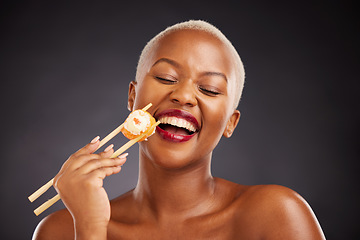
{"points": [[176, 196]]}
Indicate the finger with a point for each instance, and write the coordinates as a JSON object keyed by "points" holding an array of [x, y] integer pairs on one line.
{"points": [[87, 149], [81, 161], [74, 164], [96, 164], [107, 152], [104, 172]]}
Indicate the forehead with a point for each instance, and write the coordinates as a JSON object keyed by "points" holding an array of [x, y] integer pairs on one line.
{"points": [[196, 49]]}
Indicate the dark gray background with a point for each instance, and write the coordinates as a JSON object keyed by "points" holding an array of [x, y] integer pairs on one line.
{"points": [[65, 68]]}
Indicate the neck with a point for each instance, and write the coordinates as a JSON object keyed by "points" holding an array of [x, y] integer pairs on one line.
{"points": [[183, 191]]}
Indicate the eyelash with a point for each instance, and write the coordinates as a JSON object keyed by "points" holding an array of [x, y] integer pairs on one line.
{"points": [[165, 80], [206, 91]]}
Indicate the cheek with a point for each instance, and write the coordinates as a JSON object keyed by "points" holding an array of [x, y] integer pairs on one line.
{"points": [[216, 117], [147, 92]]}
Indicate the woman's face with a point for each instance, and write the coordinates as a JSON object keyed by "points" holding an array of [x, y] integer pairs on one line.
{"points": [[189, 78]]}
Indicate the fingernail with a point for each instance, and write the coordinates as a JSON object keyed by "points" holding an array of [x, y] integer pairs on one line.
{"points": [[95, 139], [123, 155], [109, 148]]}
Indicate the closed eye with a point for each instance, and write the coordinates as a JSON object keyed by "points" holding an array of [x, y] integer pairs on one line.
{"points": [[209, 92], [165, 80]]}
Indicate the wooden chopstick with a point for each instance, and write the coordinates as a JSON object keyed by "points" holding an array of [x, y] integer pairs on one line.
{"points": [[133, 141], [46, 205], [41, 190], [122, 149], [45, 187]]}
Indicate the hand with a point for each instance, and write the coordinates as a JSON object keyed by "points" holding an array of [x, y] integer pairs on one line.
{"points": [[80, 185]]}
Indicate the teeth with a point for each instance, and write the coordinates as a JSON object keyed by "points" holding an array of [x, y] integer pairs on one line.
{"points": [[178, 122]]}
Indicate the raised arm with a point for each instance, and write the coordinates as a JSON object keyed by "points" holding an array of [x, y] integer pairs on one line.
{"points": [[80, 186]]}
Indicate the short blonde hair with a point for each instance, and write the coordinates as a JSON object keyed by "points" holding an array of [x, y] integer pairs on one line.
{"points": [[208, 28]]}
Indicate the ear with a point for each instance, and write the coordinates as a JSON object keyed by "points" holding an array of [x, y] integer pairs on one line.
{"points": [[231, 124], [131, 95]]}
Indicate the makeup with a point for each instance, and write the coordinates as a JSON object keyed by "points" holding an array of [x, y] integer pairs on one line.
{"points": [[177, 125]]}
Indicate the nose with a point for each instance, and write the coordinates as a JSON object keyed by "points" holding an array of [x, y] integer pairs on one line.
{"points": [[184, 94]]}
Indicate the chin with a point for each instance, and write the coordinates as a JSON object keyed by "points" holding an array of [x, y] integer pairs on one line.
{"points": [[169, 156]]}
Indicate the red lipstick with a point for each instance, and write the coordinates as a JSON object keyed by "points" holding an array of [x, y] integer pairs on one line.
{"points": [[176, 120]]}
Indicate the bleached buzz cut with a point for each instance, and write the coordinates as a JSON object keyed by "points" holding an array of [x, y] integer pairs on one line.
{"points": [[199, 25]]}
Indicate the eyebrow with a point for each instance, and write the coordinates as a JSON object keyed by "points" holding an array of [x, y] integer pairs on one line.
{"points": [[219, 74], [167, 60], [177, 65]]}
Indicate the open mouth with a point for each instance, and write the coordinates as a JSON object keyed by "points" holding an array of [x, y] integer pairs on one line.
{"points": [[177, 125]]}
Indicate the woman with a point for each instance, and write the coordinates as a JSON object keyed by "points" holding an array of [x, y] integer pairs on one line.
{"points": [[189, 71]]}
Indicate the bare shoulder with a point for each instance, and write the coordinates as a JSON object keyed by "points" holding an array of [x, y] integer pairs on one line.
{"points": [[280, 213], [58, 225]]}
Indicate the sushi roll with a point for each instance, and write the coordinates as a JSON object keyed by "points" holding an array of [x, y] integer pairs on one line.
{"points": [[137, 123]]}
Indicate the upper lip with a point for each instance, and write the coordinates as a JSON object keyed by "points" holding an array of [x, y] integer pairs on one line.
{"points": [[179, 114]]}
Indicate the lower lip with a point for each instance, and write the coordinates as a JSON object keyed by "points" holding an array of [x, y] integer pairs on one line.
{"points": [[173, 137]]}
